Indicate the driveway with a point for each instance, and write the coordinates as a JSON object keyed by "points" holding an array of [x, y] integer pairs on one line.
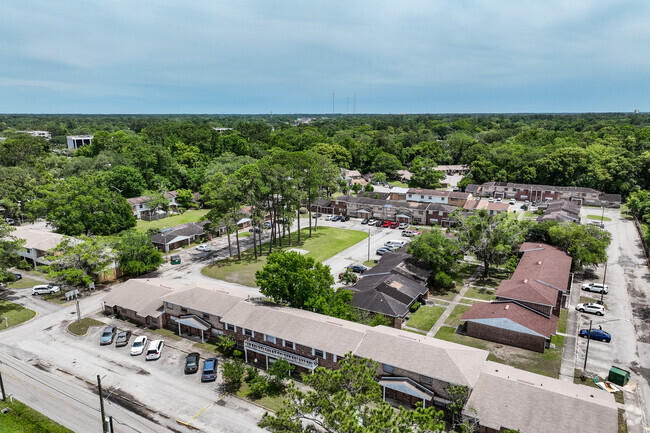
{"points": [[626, 317]]}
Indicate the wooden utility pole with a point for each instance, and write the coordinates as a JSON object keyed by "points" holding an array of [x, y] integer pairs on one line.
{"points": [[101, 404], [2, 387]]}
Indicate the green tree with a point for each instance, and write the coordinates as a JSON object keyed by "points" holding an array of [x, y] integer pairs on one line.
{"points": [[185, 198], [491, 238], [424, 175], [348, 277], [9, 246], [136, 254], [379, 177], [79, 205], [347, 400], [127, 180], [338, 154], [232, 373], [222, 194], [586, 244], [386, 163], [296, 280], [78, 261], [438, 252], [280, 371], [458, 396]]}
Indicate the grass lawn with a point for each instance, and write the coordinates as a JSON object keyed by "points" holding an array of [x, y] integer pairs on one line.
{"points": [[622, 424], [547, 363], [481, 293], [25, 283], [33, 272], [188, 217], [529, 214], [398, 183], [561, 323], [323, 244], [454, 317], [370, 263], [425, 317], [208, 347], [558, 340], [444, 294], [81, 328], [468, 301], [166, 333], [414, 331], [598, 217], [14, 313], [271, 403], [465, 271], [244, 234], [22, 418]]}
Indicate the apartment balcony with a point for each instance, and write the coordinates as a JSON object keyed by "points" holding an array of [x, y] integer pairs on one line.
{"points": [[292, 358]]}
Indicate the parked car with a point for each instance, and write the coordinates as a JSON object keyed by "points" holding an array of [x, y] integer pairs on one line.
{"points": [[512, 202], [122, 338], [527, 203], [329, 217], [386, 223], [336, 217], [596, 334], [403, 226], [410, 233], [394, 242], [192, 363], [364, 221], [10, 221], [155, 350], [316, 215], [267, 224], [372, 222], [209, 370], [139, 344], [204, 248], [591, 308], [108, 335], [254, 229], [359, 269], [45, 289], [491, 200], [394, 225], [17, 276], [344, 218], [383, 250], [595, 287], [379, 223], [500, 199]]}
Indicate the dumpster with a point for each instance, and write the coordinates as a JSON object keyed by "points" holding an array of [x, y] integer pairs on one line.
{"points": [[618, 376], [176, 260]]}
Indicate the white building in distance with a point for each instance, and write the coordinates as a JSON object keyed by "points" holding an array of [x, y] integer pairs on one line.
{"points": [[77, 141]]}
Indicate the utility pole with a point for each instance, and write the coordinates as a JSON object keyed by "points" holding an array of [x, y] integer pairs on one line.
{"points": [[368, 243], [101, 404], [78, 312], [602, 292], [2, 387], [602, 217], [584, 368], [110, 422]]}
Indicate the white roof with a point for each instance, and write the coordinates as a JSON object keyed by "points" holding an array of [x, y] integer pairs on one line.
{"points": [[141, 295], [510, 398], [207, 298], [42, 240]]}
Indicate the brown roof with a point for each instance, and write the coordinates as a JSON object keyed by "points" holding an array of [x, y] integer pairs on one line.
{"points": [[498, 206], [512, 316], [505, 397], [138, 200], [436, 192]]}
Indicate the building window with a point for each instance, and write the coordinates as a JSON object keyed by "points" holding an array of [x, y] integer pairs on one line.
{"points": [[206, 316], [426, 379], [123, 310], [249, 333], [290, 344], [183, 310], [169, 305], [269, 338], [230, 327], [389, 368], [318, 353], [422, 197]]}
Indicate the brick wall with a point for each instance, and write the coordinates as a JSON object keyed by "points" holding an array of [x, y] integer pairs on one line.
{"points": [[177, 311], [506, 336], [435, 385]]}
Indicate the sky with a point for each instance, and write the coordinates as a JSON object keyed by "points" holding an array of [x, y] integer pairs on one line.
{"points": [[268, 56]]}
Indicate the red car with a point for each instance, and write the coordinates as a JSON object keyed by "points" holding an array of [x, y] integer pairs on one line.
{"points": [[394, 225], [387, 223]]}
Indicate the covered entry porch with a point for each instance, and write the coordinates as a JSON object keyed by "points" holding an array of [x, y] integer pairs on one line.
{"points": [[405, 390], [193, 325]]}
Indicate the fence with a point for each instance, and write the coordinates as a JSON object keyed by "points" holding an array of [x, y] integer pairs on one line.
{"points": [[154, 217]]}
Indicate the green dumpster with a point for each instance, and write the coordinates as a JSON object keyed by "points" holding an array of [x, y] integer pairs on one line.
{"points": [[618, 376], [176, 260]]}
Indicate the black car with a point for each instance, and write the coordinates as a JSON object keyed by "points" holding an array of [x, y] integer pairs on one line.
{"points": [[122, 338], [364, 221], [17, 276], [316, 215], [192, 363], [336, 217], [379, 223], [344, 218], [359, 269]]}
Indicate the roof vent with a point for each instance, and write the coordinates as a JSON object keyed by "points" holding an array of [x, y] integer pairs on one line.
{"points": [[525, 280], [507, 306], [539, 263]]}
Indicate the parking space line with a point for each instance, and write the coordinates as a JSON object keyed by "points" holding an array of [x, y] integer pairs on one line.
{"points": [[188, 423]]}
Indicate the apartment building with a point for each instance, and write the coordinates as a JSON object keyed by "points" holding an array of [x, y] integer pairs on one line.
{"points": [[542, 193]]}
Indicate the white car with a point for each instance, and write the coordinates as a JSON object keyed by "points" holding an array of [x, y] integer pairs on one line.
{"points": [[139, 344], [595, 287], [45, 289], [329, 217], [155, 350], [204, 248], [512, 202], [403, 226], [591, 308], [372, 222]]}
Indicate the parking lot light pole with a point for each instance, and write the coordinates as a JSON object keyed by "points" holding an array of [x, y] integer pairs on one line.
{"points": [[602, 291], [584, 368], [101, 404]]}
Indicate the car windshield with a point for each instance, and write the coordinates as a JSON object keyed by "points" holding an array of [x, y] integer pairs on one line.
{"points": [[191, 362], [107, 333], [138, 344]]}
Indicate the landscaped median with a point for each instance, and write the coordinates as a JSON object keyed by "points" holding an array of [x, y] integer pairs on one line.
{"points": [[323, 244], [15, 314], [81, 327]]}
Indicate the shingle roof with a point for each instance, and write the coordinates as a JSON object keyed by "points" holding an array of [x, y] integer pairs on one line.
{"points": [[140, 295], [431, 357], [306, 328], [389, 294], [138, 200], [212, 299], [473, 188], [180, 231], [41, 240], [505, 397], [513, 316]]}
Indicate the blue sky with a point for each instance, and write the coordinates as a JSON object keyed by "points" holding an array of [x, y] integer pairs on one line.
{"points": [[264, 56]]}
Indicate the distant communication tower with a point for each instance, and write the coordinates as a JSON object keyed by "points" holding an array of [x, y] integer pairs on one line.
{"points": [[636, 111]]}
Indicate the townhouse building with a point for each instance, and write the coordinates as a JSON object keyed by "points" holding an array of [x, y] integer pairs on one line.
{"points": [[542, 193]]}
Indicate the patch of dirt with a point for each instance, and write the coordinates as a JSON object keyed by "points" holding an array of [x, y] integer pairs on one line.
{"points": [[143, 372], [128, 402], [633, 291], [642, 312], [41, 366]]}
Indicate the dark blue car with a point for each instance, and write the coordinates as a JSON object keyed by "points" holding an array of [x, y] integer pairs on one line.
{"points": [[209, 370], [596, 334]]}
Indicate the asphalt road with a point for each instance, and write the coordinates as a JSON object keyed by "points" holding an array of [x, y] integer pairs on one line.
{"points": [[626, 318]]}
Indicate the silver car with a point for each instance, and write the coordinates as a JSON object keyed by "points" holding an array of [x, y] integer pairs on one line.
{"points": [[45, 289], [591, 308]]}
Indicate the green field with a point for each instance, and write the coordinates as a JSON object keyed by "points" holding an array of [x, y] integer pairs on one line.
{"points": [[481, 293], [598, 217], [81, 327], [454, 317], [398, 184], [22, 418], [25, 283], [188, 217], [323, 244], [14, 313], [425, 317]]}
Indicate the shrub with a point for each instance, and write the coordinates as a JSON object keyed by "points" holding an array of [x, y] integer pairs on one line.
{"points": [[280, 370], [226, 345], [415, 307], [233, 372], [252, 374], [258, 387]]}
